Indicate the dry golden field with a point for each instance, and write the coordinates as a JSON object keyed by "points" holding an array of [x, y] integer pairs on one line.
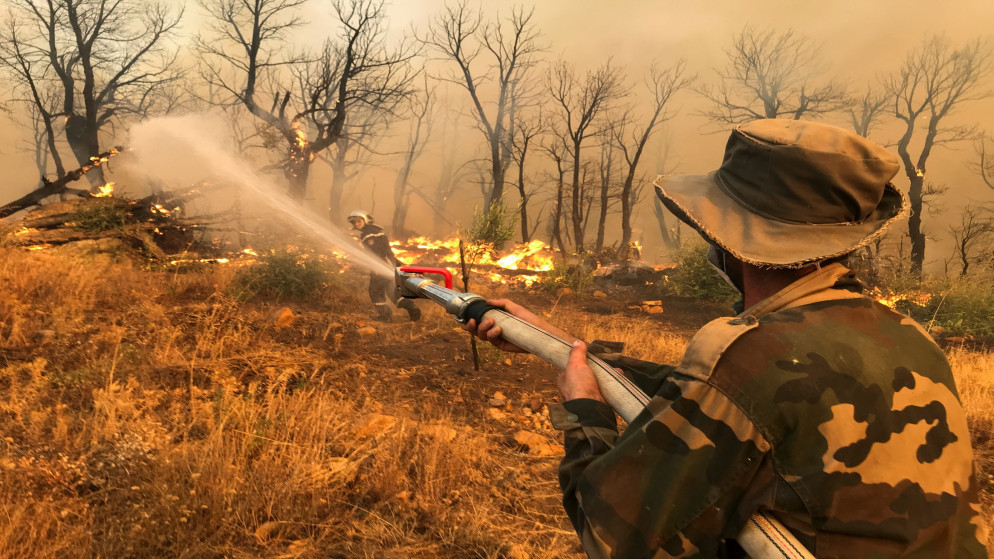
{"points": [[150, 414]]}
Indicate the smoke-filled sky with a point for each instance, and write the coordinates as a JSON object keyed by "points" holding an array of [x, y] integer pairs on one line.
{"points": [[860, 40]]}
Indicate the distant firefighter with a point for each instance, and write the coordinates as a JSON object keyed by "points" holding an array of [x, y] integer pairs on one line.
{"points": [[375, 240]]}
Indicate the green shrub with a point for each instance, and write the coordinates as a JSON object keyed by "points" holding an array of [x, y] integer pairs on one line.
{"points": [[493, 226], [98, 217], [281, 275], [961, 308], [694, 277], [577, 277]]}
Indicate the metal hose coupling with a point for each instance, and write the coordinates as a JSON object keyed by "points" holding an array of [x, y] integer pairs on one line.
{"points": [[464, 306]]}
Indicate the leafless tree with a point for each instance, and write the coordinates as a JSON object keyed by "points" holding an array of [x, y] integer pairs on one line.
{"points": [[450, 175], [663, 84], [771, 74], [934, 79], [580, 108], [422, 106], [985, 166], [606, 197], [244, 53], [528, 129], [492, 59], [91, 63], [558, 151], [866, 110], [352, 154], [973, 236]]}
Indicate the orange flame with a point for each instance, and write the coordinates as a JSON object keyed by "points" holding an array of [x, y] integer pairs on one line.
{"points": [[534, 256], [162, 210], [920, 298], [301, 144], [105, 190]]}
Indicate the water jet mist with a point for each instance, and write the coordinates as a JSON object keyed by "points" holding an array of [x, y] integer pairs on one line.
{"points": [[177, 151]]}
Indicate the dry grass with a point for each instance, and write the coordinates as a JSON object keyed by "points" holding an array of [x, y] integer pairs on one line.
{"points": [[161, 418], [149, 414]]}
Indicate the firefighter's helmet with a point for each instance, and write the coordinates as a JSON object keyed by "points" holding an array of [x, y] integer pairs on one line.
{"points": [[360, 214]]}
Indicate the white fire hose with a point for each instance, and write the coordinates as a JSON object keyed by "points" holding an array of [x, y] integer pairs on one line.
{"points": [[763, 535]]}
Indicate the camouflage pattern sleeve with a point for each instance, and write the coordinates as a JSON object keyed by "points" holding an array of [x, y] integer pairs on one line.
{"points": [[648, 376], [675, 484]]}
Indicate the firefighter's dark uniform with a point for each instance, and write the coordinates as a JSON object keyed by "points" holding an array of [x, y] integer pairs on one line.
{"points": [[375, 240]]}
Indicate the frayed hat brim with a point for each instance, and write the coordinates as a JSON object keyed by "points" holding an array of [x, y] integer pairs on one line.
{"points": [[699, 201]]}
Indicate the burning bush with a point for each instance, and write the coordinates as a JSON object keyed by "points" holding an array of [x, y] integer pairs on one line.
{"points": [[957, 307]]}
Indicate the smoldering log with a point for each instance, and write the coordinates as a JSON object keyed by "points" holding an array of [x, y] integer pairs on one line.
{"points": [[59, 186]]}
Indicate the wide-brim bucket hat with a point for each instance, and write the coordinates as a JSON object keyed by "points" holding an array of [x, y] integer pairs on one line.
{"points": [[790, 193]]}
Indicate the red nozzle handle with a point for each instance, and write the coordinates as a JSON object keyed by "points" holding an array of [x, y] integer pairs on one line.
{"points": [[444, 272]]}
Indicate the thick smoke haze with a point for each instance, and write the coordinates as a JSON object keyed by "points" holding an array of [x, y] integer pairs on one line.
{"points": [[858, 42]]}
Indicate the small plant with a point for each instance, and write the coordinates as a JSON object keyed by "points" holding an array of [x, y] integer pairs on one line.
{"points": [[493, 226], [960, 308], [695, 278], [577, 277], [281, 275], [99, 217]]}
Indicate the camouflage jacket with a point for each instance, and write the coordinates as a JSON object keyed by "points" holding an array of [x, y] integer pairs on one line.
{"points": [[825, 408]]}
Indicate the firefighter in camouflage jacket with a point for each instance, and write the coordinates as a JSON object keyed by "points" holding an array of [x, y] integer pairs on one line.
{"points": [[816, 405]]}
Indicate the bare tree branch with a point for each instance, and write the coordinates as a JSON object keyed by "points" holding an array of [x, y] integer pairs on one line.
{"points": [[771, 74]]}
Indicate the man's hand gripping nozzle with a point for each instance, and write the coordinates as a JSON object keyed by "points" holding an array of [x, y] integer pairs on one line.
{"points": [[619, 392]]}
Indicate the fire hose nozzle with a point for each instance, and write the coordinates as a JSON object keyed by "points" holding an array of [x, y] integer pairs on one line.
{"points": [[463, 306]]}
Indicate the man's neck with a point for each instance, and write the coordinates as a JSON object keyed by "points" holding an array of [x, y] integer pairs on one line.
{"points": [[761, 283]]}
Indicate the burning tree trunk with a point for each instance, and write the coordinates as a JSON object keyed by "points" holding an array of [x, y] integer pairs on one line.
{"points": [[59, 186], [932, 81], [358, 70]]}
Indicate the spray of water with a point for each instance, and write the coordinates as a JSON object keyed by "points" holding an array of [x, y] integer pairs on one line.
{"points": [[177, 151]]}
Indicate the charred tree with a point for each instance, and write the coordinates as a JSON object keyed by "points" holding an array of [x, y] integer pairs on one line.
{"points": [[605, 170], [351, 155], [421, 108], [527, 131], [932, 81], [580, 107], [771, 74], [557, 152], [663, 85], [492, 61], [973, 237], [91, 63], [865, 111], [58, 186], [241, 54]]}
